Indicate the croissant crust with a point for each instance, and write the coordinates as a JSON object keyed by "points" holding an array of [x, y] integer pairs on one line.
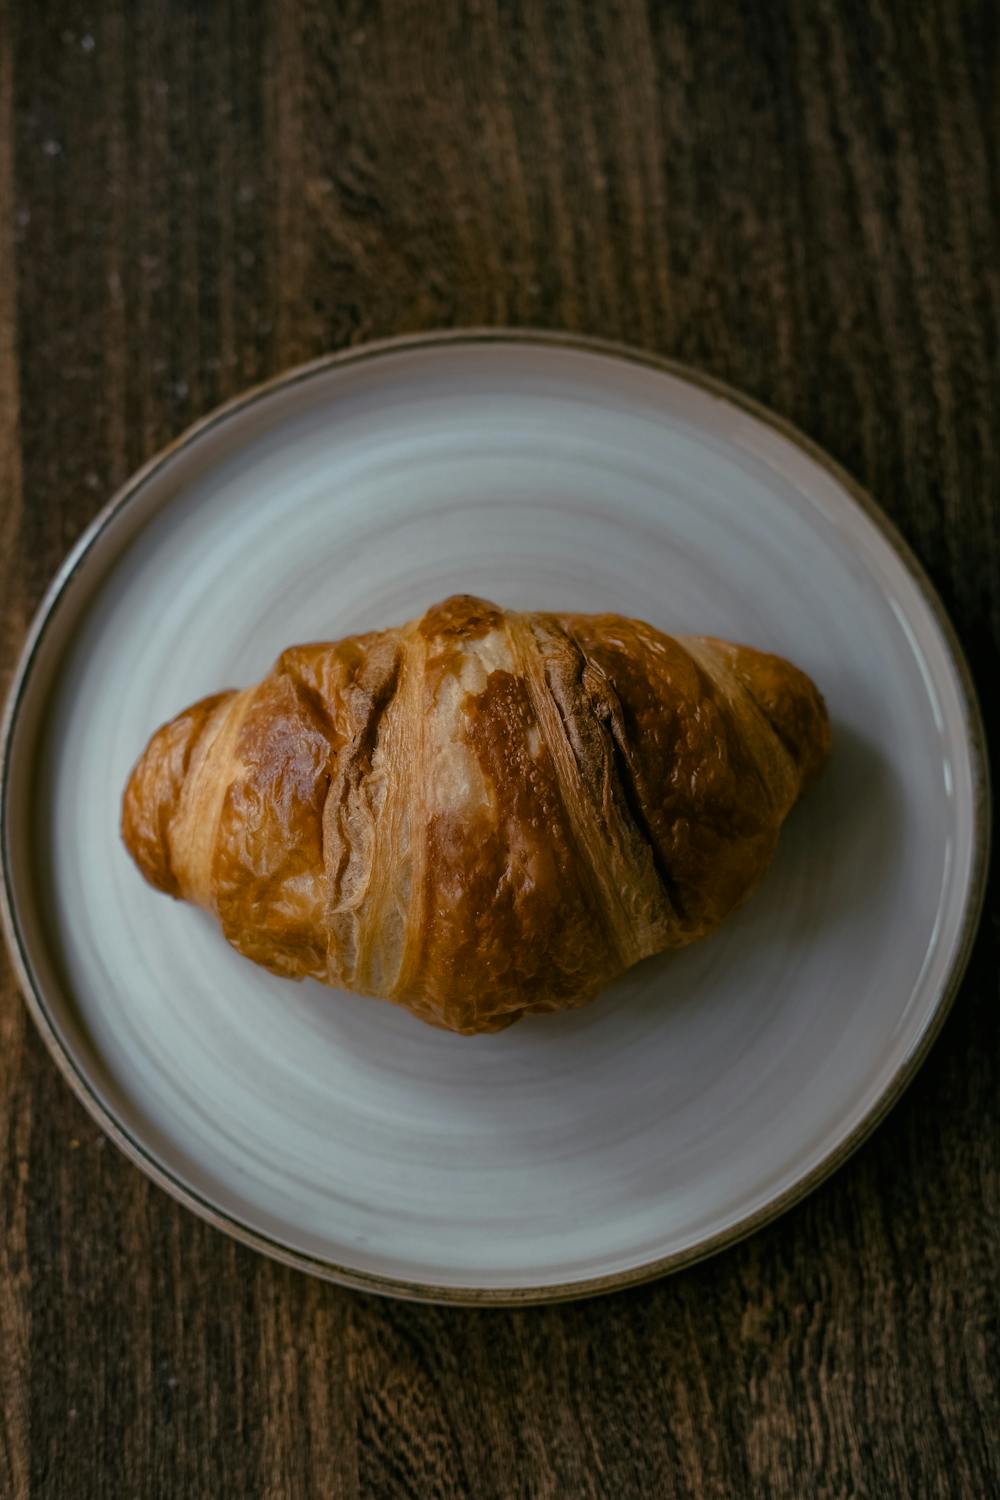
{"points": [[482, 813]]}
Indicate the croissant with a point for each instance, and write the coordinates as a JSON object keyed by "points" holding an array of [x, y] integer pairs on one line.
{"points": [[480, 814]]}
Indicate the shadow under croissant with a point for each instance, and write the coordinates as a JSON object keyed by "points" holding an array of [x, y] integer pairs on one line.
{"points": [[838, 849]]}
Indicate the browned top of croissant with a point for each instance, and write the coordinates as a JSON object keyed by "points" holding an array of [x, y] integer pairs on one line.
{"points": [[481, 813]]}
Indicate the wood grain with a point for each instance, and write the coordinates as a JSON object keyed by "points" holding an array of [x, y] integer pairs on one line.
{"points": [[800, 198]]}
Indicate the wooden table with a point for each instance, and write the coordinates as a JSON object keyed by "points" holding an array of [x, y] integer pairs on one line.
{"points": [[801, 199]]}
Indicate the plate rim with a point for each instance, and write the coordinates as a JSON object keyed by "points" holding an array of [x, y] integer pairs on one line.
{"points": [[418, 1291]]}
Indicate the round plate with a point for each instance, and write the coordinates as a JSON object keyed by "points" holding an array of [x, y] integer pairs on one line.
{"points": [[574, 1153]]}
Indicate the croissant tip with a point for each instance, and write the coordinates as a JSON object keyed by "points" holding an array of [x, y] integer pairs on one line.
{"points": [[790, 701], [153, 789], [140, 830], [797, 712]]}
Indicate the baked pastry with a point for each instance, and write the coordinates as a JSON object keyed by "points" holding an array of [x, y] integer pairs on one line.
{"points": [[481, 813]]}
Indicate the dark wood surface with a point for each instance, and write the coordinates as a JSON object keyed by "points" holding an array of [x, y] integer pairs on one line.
{"points": [[801, 199]]}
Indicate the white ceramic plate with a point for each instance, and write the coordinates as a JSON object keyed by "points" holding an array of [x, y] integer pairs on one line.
{"points": [[573, 1153]]}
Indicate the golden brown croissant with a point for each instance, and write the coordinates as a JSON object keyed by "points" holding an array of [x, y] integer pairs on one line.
{"points": [[482, 813]]}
